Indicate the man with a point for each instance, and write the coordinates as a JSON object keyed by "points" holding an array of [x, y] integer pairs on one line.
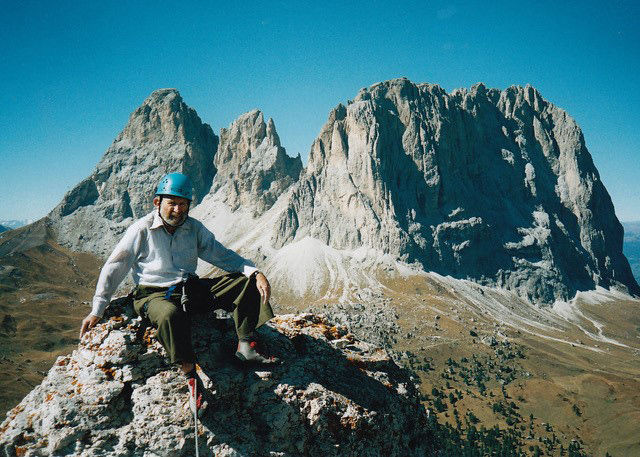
{"points": [[162, 248]]}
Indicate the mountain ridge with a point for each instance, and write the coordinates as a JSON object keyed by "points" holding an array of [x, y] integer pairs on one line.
{"points": [[481, 351], [482, 184]]}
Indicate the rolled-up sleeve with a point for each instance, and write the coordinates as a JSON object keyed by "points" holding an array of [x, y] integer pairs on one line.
{"points": [[115, 269], [212, 251]]}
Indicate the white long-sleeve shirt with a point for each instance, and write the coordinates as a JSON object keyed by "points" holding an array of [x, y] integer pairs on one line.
{"points": [[161, 259]]}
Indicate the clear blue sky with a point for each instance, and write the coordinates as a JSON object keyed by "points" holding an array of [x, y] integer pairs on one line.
{"points": [[72, 72]]}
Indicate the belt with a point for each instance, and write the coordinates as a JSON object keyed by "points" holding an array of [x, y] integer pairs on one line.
{"points": [[151, 289]]}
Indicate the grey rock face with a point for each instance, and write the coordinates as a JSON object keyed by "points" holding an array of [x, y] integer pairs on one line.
{"points": [[163, 135], [333, 395], [253, 168], [494, 186]]}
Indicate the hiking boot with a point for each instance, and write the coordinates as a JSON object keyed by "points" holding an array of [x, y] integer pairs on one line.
{"points": [[247, 352], [197, 404]]}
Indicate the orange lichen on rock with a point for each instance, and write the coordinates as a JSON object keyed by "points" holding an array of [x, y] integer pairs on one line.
{"points": [[350, 422], [126, 381], [110, 372], [148, 337], [333, 332], [357, 362]]}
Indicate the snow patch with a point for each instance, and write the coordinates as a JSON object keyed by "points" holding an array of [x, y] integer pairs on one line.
{"points": [[571, 312]]}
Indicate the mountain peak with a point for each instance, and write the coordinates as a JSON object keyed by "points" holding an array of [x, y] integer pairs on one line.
{"points": [[434, 179], [253, 169], [442, 180], [163, 135], [164, 118], [159, 94]]}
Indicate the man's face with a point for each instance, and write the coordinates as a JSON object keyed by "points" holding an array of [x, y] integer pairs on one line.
{"points": [[174, 210]]}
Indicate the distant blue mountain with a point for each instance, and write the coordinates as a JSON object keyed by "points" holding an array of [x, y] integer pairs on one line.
{"points": [[3, 228], [631, 246], [10, 224]]}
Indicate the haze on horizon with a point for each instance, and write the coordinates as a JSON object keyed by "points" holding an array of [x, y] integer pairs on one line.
{"points": [[72, 75]]}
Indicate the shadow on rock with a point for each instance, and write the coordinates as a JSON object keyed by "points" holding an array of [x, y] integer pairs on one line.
{"points": [[331, 395]]}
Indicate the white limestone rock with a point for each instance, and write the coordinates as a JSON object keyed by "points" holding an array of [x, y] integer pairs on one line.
{"points": [[452, 182], [324, 399], [253, 169], [493, 186]]}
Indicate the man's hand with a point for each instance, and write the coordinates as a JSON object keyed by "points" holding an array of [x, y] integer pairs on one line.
{"points": [[263, 287], [89, 322]]}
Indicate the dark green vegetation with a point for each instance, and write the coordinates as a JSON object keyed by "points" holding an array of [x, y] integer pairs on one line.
{"points": [[458, 431]]}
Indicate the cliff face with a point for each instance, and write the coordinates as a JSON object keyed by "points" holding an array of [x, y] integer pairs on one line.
{"points": [[253, 168], [495, 186], [163, 135]]}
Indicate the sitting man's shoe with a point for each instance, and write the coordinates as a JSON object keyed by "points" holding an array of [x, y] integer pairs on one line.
{"points": [[197, 404], [247, 352]]}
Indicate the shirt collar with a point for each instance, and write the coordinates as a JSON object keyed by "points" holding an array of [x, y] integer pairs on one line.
{"points": [[157, 221]]}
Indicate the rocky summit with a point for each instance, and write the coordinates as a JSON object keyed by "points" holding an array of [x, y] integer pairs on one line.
{"points": [[332, 395], [493, 186]]}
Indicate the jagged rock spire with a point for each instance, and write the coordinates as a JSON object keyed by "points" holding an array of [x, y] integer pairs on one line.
{"points": [[253, 168]]}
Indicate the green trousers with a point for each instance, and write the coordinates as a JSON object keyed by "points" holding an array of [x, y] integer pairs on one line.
{"points": [[234, 293]]}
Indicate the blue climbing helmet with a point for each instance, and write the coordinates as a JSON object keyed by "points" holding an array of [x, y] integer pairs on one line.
{"points": [[177, 185]]}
